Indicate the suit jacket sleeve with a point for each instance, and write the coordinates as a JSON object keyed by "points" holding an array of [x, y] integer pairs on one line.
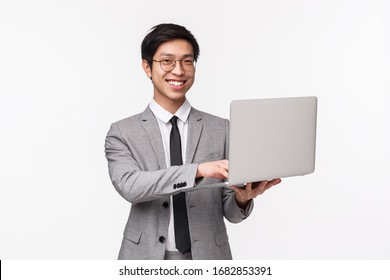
{"points": [[137, 183]]}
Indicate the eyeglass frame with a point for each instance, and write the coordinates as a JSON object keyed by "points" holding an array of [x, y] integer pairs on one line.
{"points": [[174, 65]]}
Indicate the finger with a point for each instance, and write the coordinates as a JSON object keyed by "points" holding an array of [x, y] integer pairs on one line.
{"points": [[222, 168], [248, 187], [256, 184], [224, 163], [268, 185], [272, 183], [263, 184], [277, 181], [259, 189], [259, 186], [222, 172], [238, 191], [249, 193]]}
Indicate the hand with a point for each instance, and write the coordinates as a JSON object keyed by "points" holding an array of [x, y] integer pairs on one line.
{"points": [[252, 190], [216, 169]]}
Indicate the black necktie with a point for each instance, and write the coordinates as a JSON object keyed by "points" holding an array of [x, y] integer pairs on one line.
{"points": [[182, 232]]}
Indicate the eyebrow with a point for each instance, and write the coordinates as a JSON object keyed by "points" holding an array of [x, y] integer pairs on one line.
{"points": [[173, 55]]}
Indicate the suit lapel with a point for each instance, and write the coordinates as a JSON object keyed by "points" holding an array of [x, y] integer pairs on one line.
{"points": [[195, 127], [149, 122]]}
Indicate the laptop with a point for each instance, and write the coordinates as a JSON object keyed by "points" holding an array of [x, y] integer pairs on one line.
{"points": [[270, 138]]}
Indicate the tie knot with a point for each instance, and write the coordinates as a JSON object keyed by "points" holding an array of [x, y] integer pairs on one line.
{"points": [[173, 120]]}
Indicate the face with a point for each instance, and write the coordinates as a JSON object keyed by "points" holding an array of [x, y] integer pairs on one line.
{"points": [[171, 87]]}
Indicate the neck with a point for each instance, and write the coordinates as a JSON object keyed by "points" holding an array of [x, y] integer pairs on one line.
{"points": [[170, 105]]}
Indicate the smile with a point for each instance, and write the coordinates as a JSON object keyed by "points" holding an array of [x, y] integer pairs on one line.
{"points": [[176, 83]]}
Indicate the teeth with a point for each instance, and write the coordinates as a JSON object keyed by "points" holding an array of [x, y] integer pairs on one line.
{"points": [[175, 83]]}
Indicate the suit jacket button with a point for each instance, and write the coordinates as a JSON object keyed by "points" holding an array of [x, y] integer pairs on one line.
{"points": [[161, 239], [175, 186], [165, 204], [185, 184]]}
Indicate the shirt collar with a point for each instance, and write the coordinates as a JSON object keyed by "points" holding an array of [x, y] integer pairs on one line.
{"points": [[182, 113]]}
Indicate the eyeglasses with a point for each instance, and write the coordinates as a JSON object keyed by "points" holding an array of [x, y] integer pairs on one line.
{"points": [[168, 64]]}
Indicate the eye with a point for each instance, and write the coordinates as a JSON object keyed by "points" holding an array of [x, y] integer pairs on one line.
{"points": [[188, 62], [167, 61]]}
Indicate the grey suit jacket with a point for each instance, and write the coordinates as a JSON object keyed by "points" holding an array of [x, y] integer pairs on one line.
{"points": [[138, 171]]}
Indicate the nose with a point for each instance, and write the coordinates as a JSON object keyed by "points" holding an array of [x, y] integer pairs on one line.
{"points": [[178, 69]]}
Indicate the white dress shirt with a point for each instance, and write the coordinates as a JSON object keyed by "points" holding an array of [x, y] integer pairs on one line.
{"points": [[163, 117]]}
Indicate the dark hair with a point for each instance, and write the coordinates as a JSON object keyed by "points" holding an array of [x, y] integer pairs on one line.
{"points": [[166, 32]]}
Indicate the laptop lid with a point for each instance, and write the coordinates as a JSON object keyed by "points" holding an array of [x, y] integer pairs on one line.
{"points": [[271, 138]]}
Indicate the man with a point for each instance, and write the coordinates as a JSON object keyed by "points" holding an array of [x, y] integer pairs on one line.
{"points": [[157, 156]]}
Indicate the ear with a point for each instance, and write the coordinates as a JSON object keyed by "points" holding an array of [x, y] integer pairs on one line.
{"points": [[147, 69]]}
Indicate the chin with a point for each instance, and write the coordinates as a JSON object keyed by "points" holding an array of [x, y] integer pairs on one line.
{"points": [[177, 96]]}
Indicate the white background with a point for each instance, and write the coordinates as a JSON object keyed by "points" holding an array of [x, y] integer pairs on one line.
{"points": [[68, 69]]}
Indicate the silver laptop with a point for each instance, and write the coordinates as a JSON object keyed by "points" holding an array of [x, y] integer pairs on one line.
{"points": [[270, 138]]}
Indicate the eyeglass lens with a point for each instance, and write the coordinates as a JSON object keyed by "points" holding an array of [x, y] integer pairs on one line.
{"points": [[168, 64]]}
